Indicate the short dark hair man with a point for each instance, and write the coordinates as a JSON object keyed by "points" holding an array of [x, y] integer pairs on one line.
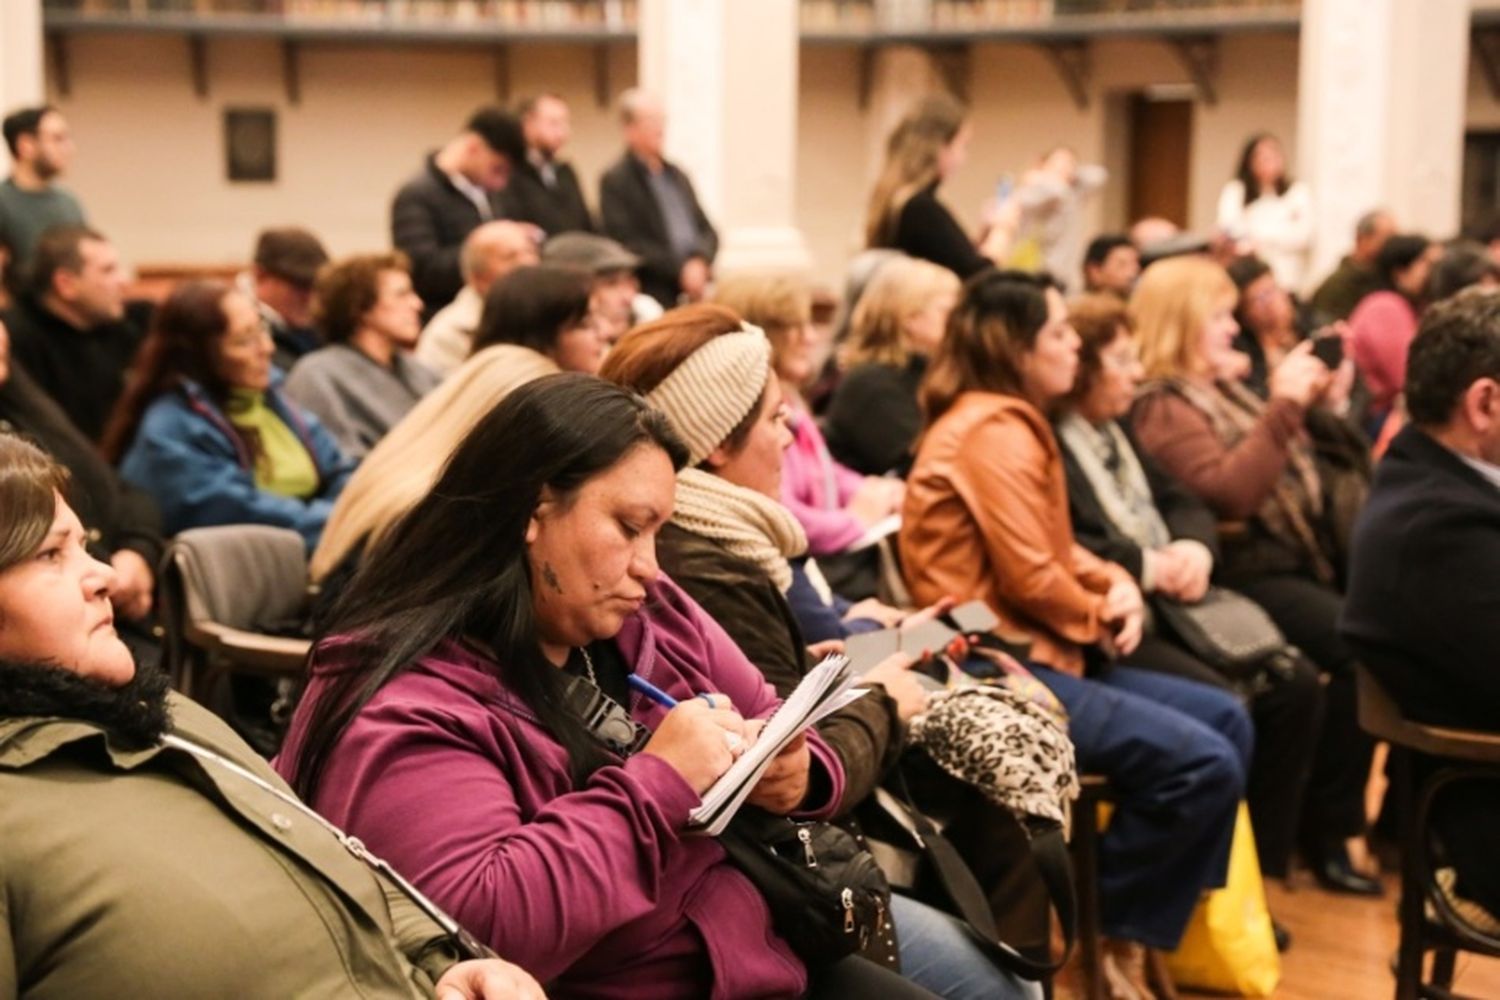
{"points": [[1423, 604], [31, 202], [457, 189], [1111, 264], [1355, 276], [281, 277], [649, 206], [68, 328], [544, 189]]}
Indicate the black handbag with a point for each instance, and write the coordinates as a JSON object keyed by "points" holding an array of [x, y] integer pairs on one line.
{"points": [[828, 897], [1226, 630]]}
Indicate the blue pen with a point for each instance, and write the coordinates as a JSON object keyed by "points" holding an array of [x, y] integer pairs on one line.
{"points": [[651, 691]]}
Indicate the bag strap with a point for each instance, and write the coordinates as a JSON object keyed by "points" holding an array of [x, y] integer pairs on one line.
{"points": [[1048, 851]]}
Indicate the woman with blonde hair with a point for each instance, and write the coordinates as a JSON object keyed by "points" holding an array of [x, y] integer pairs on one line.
{"points": [[834, 504], [925, 148], [873, 417], [1253, 462], [535, 323]]}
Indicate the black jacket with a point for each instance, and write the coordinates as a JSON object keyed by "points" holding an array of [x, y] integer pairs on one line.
{"points": [[1187, 517], [123, 516], [926, 229], [867, 735], [1423, 605], [556, 209], [82, 370], [429, 220], [633, 217]]}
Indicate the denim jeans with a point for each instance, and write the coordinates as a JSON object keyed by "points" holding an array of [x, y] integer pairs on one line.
{"points": [[938, 954]]}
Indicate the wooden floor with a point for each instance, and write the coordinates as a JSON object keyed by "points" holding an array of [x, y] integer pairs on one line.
{"points": [[1342, 948]]}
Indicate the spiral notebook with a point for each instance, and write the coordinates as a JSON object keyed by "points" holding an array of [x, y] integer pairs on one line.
{"points": [[827, 688]]}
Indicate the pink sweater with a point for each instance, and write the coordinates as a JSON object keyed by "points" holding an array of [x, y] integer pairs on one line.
{"points": [[593, 889], [816, 489], [1382, 328]]}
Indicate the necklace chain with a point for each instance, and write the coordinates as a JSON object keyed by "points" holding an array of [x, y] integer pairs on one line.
{"points": [[588, 666]]}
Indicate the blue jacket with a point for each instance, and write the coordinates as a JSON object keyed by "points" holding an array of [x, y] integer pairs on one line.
{"points": [[187, 456]]}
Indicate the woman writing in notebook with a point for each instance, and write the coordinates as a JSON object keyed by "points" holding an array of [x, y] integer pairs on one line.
{"points": [[443, 722]]}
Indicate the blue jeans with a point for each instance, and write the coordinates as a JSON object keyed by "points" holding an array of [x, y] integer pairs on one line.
{"points": [[1176, 753], [938, 955]]}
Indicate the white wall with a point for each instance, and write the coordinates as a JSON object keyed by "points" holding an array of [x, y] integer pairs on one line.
{"points": [[150, 166]]}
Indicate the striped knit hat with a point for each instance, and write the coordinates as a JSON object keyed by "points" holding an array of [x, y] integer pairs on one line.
{"points": [[708, 395]]}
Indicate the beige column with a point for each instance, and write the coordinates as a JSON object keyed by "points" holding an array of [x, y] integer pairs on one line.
{"points": [[1381, 98], [20, 57], [727, 73]]}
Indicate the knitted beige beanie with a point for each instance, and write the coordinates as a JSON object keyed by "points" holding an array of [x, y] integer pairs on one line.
{"points": [[707, 395]]}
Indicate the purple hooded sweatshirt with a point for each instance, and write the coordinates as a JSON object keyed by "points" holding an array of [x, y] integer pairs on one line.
{"points": [[594, 890]]}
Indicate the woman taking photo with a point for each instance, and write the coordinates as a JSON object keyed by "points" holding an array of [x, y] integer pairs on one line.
{"points": [[927, 147], [986, 518], [206, 431], [1267, 212], [462, 647], [101, 766], [873, 418], [1253, 463], [535, 323]]}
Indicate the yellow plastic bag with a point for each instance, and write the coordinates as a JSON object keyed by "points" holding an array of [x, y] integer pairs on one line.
{"points": [[1229, 946]]}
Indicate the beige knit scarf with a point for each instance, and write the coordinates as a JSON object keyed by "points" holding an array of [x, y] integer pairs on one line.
{"points": [[748, 524]]}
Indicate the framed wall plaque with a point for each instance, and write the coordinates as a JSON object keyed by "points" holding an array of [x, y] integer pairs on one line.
{"points": [[250, 144]]}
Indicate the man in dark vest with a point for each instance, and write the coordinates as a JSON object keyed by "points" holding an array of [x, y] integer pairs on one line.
{"points": [[544, 190]]}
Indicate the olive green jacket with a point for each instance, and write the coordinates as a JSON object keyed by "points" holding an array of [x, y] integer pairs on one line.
{"points": [[155, 874]]}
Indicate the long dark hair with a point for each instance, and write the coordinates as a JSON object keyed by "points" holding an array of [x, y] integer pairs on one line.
{"points": [[995, 322], [183, 343], [1246, 176], [1397, 254], [532, 307], [455, 565]]}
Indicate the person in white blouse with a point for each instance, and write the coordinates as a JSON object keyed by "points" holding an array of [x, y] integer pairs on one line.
{"points": [[1267, 213]]}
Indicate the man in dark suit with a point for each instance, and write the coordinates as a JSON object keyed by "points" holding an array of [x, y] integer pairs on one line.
{"points": [[649, 206], [457, 189], [544, 190], [1423, 607]]}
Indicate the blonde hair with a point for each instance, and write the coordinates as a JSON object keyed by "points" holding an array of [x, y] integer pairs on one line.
{"points": [[1171, 304], [401, 469], [901, 288], [777, 302], [911, 162]]}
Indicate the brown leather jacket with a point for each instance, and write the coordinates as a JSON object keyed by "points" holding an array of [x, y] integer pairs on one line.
{"points": [[986, 517]]}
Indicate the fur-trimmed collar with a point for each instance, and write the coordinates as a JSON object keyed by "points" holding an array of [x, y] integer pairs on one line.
{"points": [[134, 715]]}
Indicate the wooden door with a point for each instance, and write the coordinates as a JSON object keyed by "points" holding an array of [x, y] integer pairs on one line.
{"points": [[1161, 144]]}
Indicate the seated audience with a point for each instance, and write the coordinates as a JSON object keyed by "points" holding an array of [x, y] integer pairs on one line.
{"points": [[365, 379], [522, 586], [490, 252], [873, 419], [122, 523], [206, 431], [137, 823], [926, 147], [535, 323], [857, 276], [1125, 509], [280, 282], [1463, 264], [727, 544], [616, 301], [1111, 264], [648, 204], [834, 504], [68, 327], [1383, 324], [1269, 325], [986, 518], [1423, 608], [457, 190], [1253, 462], [544, 190], [1356, 275]]}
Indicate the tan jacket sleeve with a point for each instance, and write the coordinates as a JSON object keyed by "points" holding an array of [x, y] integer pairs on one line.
{"points": [[1003, 482], [1095, 573], [416, 935]]}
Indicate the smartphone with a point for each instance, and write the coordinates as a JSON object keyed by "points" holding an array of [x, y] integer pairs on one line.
{"points": [[1329, 350]]}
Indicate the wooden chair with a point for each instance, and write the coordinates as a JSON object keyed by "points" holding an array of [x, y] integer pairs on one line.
{"points": [[1446, 756]]}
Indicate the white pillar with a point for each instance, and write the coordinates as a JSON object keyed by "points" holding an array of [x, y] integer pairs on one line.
{"points": [[726, 71], [20, 58], [1382, 93]]}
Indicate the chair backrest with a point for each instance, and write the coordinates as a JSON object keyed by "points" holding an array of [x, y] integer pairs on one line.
{"points": [[1381, 717], [244, 576]]}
